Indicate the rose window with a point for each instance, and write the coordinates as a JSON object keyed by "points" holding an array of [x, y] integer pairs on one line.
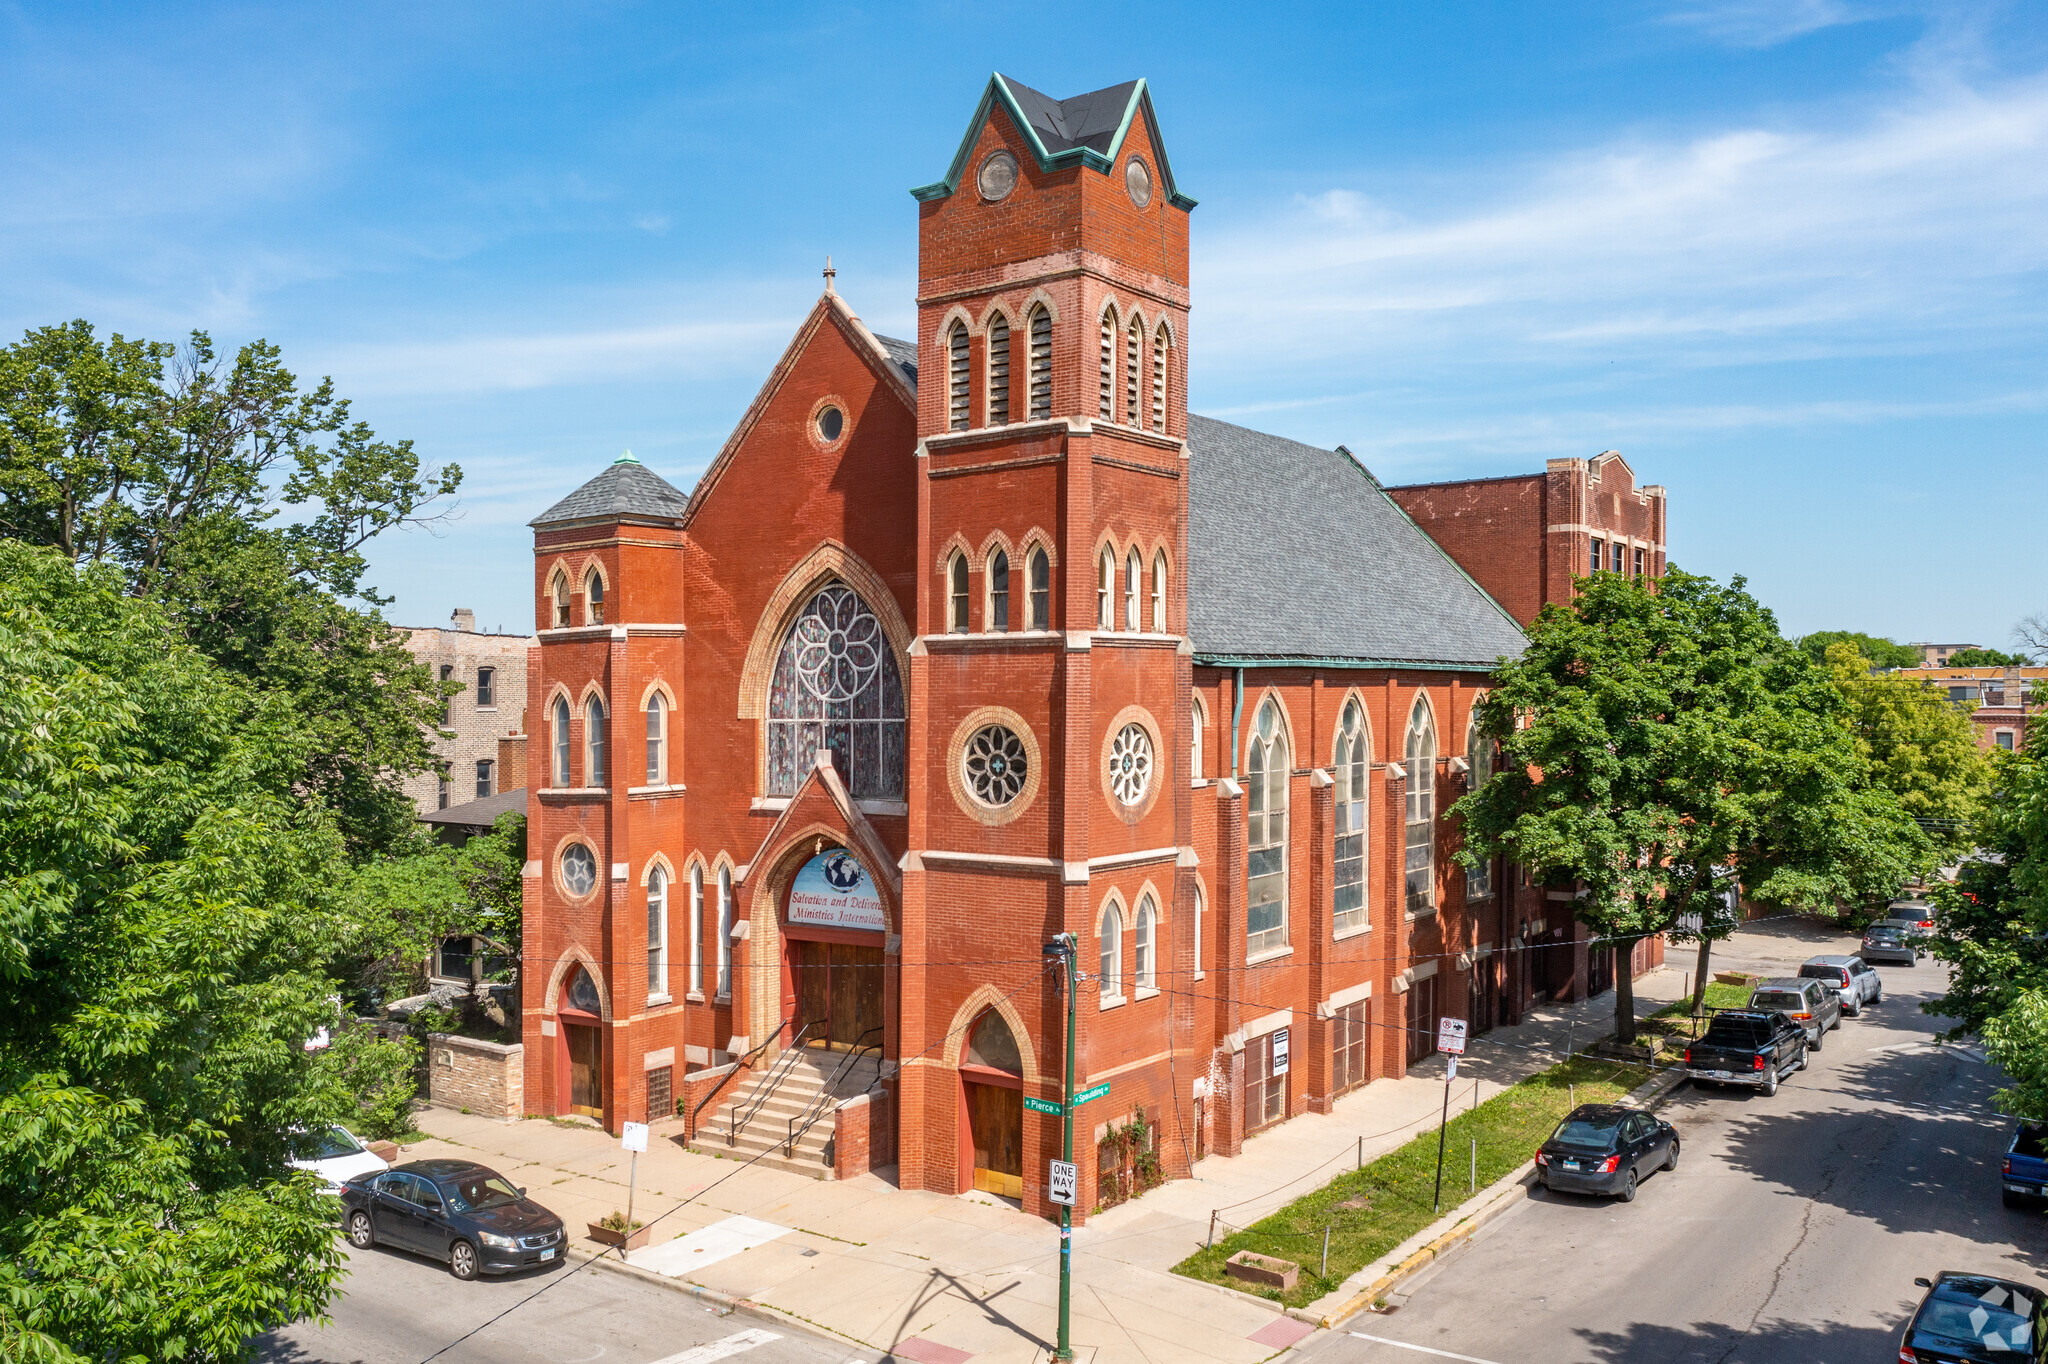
{"points": [[995, 765], [835, 686], [579, 870], [1130, 764]]}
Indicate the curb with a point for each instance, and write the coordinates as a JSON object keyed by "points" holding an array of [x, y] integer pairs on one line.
{"points": [[1457, 1225], [746, 1307]]}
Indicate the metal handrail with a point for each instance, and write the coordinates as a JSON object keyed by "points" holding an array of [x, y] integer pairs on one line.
{"points": [[742, 1064], [815, 1109], [770, 1082]]}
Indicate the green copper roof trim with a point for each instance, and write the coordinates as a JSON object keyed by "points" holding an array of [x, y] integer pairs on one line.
{"points": [[626, 458], [999, 89], [1308, 661]]}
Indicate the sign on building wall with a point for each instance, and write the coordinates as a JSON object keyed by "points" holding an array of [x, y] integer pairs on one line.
{"points": [[834, 891]]}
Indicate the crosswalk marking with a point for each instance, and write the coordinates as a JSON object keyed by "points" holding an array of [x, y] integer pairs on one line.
{"points": [[721, 1349], [1423, 1349]]}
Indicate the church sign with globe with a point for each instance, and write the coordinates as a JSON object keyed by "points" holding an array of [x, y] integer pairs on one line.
{"points": [[834, 891]]}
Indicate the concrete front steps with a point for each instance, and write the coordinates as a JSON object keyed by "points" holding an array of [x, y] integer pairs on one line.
{"points": [[766, 1130]]}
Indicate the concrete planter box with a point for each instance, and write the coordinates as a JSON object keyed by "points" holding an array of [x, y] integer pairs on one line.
{"points": [[1737, 978], [1251, 1267], [1646, 1048], [632, 1240]]}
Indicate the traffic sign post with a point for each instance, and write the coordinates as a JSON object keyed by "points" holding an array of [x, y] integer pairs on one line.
{"points": [[1450, 1040], [1088, 1094], [1062, 1178], [633, 1138], [1036, 1105], [1063, 947]]}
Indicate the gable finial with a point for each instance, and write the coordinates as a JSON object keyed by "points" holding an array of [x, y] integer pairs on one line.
{"points": [[829, 273], [626, 458]]}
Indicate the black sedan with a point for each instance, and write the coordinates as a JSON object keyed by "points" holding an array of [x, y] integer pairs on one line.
{"points": [[1605, 1149], [1975, 1317], [452, 1210]]}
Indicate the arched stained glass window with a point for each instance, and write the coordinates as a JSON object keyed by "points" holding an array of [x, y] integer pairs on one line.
{"points": [[560, 725], [993, 1046], [1479, 755], [835, 686], [1142, 960], [1266, 772], [1421, 832], [1348, 909], [1110, 941]]}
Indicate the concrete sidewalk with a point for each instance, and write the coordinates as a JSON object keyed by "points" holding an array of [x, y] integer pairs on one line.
{"points": [[945, 1279]]}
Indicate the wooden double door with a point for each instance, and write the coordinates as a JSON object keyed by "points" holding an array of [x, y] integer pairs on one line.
{"points": [[585, 1046], [838, 989], [995, 1124]]}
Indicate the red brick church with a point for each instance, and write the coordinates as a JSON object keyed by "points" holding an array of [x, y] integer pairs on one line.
{"points": [[964, 643]]}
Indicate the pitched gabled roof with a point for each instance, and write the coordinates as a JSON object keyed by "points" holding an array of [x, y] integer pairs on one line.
{"points": [[1085, 130], [627, 488], [904, 353], [1295, 554]]}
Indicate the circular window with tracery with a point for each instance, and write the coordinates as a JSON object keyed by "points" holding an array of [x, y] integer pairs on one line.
{"points": [[995, 765], [579, 870], [1130, 764]]}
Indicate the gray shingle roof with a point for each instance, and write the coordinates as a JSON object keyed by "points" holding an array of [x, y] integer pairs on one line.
{"points": [[627, 488], [1089, 120], [904, 353], [1295, 553]]}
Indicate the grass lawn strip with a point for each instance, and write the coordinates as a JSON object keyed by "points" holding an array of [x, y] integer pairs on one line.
{"points": [[1398, 1187]]}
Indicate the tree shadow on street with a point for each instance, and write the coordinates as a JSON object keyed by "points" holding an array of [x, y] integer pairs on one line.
{"points": [[1768, 1343]]}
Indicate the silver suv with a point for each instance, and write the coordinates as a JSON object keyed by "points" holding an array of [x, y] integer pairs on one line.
{"points": [[1812, 1004], [1855, 983]]}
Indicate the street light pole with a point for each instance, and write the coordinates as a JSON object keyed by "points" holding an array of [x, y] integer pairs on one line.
{"points": [[1063, 946]]}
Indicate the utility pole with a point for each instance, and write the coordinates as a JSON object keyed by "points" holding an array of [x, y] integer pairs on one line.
{"points": [[1062, 947]]}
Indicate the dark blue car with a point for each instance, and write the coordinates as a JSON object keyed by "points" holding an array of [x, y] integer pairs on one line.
{"points": [[2025, 1171], [467, 1216], [1975, 1319]]}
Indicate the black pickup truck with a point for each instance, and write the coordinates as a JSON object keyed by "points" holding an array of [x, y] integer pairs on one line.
{"points": [[1747, 1047]]}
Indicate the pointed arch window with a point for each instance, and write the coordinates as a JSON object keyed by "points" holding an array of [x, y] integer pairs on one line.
{"points": [[560, 725], [1420, 862], [1266, 792], [593, 742], [1134, 573], [1159, 593], [1348, 907], [1199, 907], [1041, 590], [1144, 967], [1198, 722], [999, 591], [1479, 757], [1040, 388], [956, 594], [1106, 402], [956, 377], [1161, 343], [558, 589], [657, 740], [836, 685], [697, 931], [998, 370], [1105, 590], [1134, 339], [992, 1046], [657, 934], [725, 932], [593, 596], [1111, 935]]}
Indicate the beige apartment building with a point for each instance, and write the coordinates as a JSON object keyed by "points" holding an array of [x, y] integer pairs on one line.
{"points": [[490, 707]]}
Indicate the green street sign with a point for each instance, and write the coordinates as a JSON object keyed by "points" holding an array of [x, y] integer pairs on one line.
{"points": [[1085, 1095], [1042, 1106]]}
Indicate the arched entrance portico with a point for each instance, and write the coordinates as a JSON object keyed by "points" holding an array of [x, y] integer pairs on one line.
{"points": [[992, 1108], [579, 1010]]}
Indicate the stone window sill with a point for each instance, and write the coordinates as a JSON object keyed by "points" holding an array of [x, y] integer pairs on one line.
{"points": [[1413, 915], [655, 1001], [1270, 954], [1112, 1002], [1341, 934], [1145, 992], [694, 997], [721, 999]]}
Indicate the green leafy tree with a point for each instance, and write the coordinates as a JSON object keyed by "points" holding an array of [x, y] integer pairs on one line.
{"points": [[1918, 746], [243, 502], [165, 915], [1657, 738], [1985, 658], [398, 907], [1881, 652]]}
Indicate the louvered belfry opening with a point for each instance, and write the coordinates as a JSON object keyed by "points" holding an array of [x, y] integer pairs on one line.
{"points": [[1106, 407], [1159, 380], [1041, 363], [1133, 339], [998, 371], [956, 378]]}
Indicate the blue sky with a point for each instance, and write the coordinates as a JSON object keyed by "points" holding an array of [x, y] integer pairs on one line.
{"points": [[1791, 258]]}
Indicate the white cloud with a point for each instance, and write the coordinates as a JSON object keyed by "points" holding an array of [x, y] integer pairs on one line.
{"points": [[1764, 23], [1922, 223]]}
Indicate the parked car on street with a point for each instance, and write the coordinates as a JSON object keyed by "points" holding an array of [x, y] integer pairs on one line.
{"points": [[1811, 1004], [1886, 940], [1855, 983], [1972, 1317], [338, 1156], [2025, 1169], [1606, 1149], [1747, 1047], [456, 1211], [1918, 913]]}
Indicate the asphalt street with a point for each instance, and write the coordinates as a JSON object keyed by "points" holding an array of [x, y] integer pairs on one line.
{"points": [[398, 1309], [1791, 1230]]}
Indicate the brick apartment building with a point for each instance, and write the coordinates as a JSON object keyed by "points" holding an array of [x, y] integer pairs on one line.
{"points": [[2000, 699], [963, 643], [491, 707]]}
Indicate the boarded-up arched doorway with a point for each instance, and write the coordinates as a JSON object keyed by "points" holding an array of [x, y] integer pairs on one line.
{"points": [[992, 1108]]}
